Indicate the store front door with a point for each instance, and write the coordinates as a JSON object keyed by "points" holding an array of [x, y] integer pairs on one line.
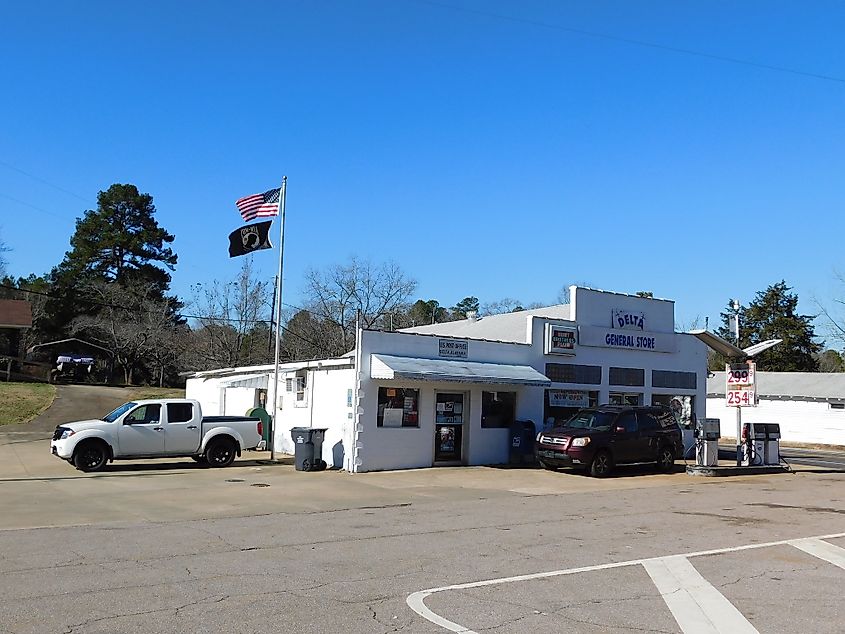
{"points": [[450, 414]]}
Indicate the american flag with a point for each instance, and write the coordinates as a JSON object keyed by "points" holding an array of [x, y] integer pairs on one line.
{"points": [[259, 205]]}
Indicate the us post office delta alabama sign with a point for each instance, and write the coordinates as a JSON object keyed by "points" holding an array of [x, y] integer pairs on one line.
{"points": [[628, 332]]}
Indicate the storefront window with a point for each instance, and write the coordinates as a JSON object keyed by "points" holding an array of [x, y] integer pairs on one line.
{"points": [[634, 377], [670, 378], [561, 405], [498, 409], [682, 407], [625, 399], [398, 407], [574, 373]]}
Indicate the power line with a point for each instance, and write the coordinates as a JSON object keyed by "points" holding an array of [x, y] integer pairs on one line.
{"points": [[636, 42], [45, 182], [31, 206], [183, 315]]}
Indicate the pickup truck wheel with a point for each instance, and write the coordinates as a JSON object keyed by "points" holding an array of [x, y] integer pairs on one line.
{"points": [[91, 455], [221, 452]]}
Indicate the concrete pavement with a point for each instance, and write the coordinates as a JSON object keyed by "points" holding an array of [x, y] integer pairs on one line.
{"points": [[160, 546]]}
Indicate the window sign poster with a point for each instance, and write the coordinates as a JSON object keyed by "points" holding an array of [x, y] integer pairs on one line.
{"points": [[568, 398], [681, 407], [560, 340], [392, 417], [447, 439]]}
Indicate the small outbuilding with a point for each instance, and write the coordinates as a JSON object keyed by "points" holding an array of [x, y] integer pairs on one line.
{"points": [[808, 406]]}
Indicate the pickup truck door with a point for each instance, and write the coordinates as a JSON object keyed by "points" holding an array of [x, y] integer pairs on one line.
{"points": [[141, 432], [183, 429]]}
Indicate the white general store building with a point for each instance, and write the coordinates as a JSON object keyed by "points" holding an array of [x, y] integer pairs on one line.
{"points": [[447, 393]]}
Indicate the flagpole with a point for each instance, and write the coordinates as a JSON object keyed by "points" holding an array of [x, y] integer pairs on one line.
{"points": [[278, 307]]}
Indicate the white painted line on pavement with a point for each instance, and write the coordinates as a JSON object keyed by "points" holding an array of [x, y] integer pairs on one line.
{"points": [[416, 601], [821, 549], [697, 606]]}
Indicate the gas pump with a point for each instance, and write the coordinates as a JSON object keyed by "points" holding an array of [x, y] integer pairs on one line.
{"points": [[707, 433], [771, 455], [753, 444]]}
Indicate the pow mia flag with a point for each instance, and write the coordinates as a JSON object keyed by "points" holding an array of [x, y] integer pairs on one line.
{"points": [[250, 238]]}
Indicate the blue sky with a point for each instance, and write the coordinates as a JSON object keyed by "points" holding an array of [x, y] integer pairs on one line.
{"points": [[484, 146]]}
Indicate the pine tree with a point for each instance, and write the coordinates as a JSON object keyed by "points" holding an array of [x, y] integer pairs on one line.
{"points": [[120, 241], [772, 315]]}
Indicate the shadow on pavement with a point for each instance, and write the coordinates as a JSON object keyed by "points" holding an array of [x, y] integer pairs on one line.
{"points": [[621, 471], [188, 465]]}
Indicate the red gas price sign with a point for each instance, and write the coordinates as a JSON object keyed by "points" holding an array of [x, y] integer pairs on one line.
{"points": [[739, 388], [740, 398]]}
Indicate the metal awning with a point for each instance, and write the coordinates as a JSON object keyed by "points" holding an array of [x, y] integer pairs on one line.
{"points": [[384, 366], [727, 349], [722, 346], [259, 381]]}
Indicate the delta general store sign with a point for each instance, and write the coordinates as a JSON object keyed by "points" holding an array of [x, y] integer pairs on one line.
{"points": [[612, 338]]}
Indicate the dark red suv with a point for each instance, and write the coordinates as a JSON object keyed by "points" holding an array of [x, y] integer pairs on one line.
{"points": [[599, 438]]}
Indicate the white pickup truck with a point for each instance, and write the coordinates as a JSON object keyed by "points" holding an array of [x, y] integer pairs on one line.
{"points": [[156, 429]]}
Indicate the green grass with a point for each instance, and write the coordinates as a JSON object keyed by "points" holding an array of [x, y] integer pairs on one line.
{"points": [[139, 393], [21, 402]]}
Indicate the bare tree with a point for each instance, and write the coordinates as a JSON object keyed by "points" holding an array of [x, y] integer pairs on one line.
{"points": [[3, 263], [232, 330], [132, 321], [335, 297], [504, 305], [833, 317]]}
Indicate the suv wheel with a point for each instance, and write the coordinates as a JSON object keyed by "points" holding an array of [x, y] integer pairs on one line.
{"points": [[602, 464], [665, 459]]}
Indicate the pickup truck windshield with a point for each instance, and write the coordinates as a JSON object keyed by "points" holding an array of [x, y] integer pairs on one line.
{"points": [[113, 416], [590, 420]]}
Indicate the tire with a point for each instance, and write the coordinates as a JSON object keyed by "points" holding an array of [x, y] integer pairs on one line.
{"points": [[221, 451], [547, 466], [91, 456], [666, 459], [199, 459], [602, 464]]}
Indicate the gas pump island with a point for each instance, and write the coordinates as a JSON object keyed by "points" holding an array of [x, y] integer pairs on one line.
{"points": [[757, 444]]}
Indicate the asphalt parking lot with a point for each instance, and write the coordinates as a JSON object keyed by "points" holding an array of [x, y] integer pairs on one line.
{"points": [[162, 547]]}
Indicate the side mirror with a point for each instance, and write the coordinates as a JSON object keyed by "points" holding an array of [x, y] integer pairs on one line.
{"points": [[619, 429]]}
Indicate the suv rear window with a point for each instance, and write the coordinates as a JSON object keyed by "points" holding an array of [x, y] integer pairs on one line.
{"points": [[647, 421]]}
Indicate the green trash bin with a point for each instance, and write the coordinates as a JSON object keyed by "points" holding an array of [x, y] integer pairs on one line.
{"points": [[264, 417]]}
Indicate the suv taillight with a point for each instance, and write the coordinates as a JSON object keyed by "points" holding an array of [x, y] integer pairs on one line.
{"points": [[260, 428]]}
